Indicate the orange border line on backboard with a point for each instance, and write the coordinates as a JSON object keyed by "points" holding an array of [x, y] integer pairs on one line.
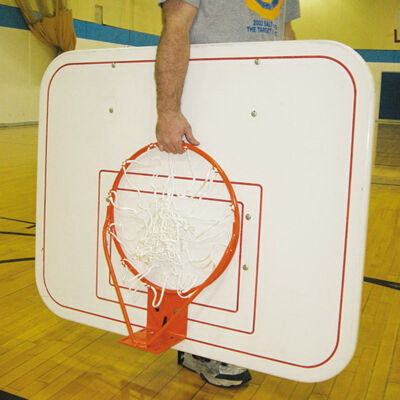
{"points": [[251, 331], [350, 174]]}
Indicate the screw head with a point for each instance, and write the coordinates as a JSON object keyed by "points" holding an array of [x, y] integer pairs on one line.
{"points": [[113, 65], [110, 110], [248, 216], [245, 267], [254, 113], [257, 61]]}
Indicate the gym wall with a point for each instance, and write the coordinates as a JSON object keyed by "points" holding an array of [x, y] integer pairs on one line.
{"points": [[23, 58], [367, 26]]}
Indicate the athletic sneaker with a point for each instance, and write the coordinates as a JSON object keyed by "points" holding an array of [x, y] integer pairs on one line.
{"points": [[216, 373]]}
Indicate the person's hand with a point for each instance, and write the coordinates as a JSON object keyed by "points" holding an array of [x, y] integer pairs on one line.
{"points": [[170, 129]]}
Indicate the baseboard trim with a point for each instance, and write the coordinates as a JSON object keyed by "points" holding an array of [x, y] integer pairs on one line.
{"points": [[13, 124]]}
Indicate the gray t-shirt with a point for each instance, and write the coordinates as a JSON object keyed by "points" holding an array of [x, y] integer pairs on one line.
{"points": [[222, 21]]}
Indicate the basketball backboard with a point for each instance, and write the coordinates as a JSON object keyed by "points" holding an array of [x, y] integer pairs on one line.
{"points": [[291, 125]]}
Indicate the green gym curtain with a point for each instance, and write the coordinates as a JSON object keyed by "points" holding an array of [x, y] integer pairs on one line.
{"points": [[52, 24]]}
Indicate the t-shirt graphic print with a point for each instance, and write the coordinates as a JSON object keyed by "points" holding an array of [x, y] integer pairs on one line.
{"points": [[266, 9]]}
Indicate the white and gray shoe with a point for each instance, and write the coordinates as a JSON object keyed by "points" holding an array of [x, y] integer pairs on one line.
{"points": [[216, 373]]}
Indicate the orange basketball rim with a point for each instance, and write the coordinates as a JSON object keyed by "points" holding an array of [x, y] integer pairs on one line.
{"points": [[167, 303]]}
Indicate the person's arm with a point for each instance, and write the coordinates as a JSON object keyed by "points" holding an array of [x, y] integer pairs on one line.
{"points": [[170, 72], [292, 13], [289, 32]]}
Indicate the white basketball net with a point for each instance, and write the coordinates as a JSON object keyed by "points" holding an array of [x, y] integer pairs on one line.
{"points": [[173, 218]]}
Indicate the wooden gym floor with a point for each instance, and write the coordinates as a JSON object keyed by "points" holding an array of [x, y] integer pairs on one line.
{"points": [[45, 357]]}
